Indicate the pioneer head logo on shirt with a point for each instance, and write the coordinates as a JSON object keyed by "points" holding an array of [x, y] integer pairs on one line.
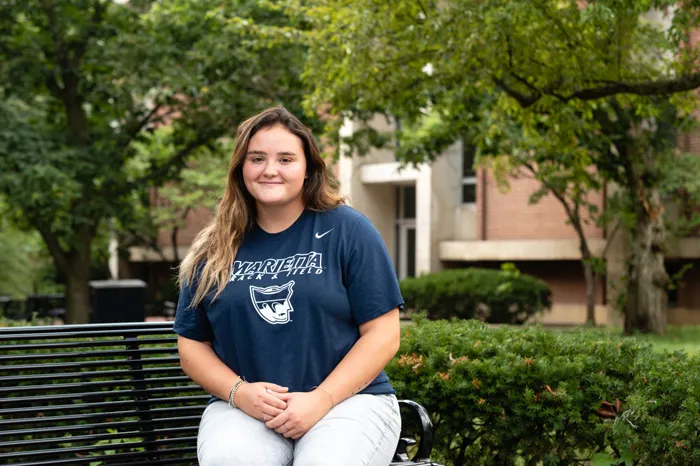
{"points": [[273, 302]]}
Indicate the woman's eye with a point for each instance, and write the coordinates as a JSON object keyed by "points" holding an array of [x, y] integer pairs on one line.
{"points": [[286, 160], [256, 159]]}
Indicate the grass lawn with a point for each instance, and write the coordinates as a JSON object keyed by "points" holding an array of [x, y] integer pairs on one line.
{"points": [[685, 338]]}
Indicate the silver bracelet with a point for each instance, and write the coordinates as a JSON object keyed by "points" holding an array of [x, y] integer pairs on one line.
{"points": [[233, 391]]}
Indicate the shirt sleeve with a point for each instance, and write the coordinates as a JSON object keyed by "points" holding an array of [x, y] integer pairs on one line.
{"points": [[371, 281], [192, 322]]}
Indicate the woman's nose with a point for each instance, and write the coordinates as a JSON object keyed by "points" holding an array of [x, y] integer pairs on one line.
{"points": [[270, 169]]}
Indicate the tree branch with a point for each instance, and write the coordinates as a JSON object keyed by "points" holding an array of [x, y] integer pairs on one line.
{"points": [[133, 132], [661, 87], [520, 79], [52, 85], [509, 50], [144, 240], [524, 100], [667, 86], [611, 236], [81, 46], [58, 46], [163, 170], [572, 212], [557, 23], [59, 255], [526, 83]]}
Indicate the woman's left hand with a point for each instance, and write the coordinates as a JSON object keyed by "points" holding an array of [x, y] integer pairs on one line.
{"points": [[303, 411]]}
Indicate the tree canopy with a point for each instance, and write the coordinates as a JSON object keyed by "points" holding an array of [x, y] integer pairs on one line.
{"points": [[578, 93], [83, 81], [406, 58]]}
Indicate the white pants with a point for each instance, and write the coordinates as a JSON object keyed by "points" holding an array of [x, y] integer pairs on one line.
{"points": [[361, 431]]}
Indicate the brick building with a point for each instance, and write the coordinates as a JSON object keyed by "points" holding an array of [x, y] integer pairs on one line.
{"points": [[447, 215]]}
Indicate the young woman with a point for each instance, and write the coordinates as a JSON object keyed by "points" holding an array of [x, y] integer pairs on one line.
{"points": [[288, 313]]}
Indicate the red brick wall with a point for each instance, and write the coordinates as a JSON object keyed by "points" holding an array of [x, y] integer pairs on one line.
{"points": [[509, 216], [196, 220], [691, 142], [688, 294], [565, 278], [686, 309]]}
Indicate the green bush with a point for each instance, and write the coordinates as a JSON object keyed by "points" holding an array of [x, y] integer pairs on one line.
{"points": [[34, 321], [494, 296], [515, 395], [660, 424]]}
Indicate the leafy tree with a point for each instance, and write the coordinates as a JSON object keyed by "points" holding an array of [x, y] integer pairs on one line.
{"points": [[25, 265], [561, 165], [197, 186], [553, 67], [573, 161], [83, 81]]}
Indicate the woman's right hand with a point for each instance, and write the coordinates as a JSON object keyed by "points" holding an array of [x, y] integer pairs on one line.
{"points": [[258, 400]]}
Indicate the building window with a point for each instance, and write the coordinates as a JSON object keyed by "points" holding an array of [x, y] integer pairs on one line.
{"points": [[468, 174], [405, 231]]}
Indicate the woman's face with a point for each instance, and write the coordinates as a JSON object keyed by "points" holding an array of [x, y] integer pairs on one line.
{"points": [[274, 168]]}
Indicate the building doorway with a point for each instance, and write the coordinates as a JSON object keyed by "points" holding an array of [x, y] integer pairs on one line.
{"points": [[405, 231]]}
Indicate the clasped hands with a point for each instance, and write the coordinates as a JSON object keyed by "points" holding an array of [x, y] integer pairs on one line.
{"points": [[290, 414]]}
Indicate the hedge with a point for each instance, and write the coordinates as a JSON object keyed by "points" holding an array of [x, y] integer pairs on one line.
{"points": [[494, 296], [661, 421], [531, 396], [528, 396]]}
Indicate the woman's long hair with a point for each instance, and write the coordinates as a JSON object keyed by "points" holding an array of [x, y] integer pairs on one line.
{"points": [[209, 261]]}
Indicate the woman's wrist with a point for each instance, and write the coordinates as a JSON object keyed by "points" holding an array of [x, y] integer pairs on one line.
{"points": [[232, 393], [328, 395]]}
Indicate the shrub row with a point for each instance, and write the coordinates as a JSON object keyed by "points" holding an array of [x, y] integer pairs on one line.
{"points": [[528, 396], [531, 396], [494, 296]]}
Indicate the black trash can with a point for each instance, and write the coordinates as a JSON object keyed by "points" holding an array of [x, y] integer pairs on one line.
{"points": [[117, 301]]}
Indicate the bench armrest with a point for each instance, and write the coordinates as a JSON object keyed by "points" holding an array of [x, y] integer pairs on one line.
{"points": [[425, 444]]}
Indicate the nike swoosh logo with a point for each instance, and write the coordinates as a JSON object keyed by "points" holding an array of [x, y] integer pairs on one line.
{"points": [[323, 234]]}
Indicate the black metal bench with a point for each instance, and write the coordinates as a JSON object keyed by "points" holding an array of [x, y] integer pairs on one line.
{"points": [[114, 394]]}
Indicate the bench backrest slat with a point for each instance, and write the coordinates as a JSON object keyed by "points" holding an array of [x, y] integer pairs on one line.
{"points": [[113, 393], [108, 393]]}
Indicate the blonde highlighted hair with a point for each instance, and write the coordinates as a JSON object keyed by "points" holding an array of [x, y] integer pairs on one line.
{"points": [[208, 263]]}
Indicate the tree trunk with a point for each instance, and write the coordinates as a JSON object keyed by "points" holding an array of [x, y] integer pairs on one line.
{"points": [[74, 265], [78, 294], [590, 280], [589, 275], [648, 280], [173, 239]]}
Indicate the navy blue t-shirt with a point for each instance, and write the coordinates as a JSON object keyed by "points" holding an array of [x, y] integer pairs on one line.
{"points": [[292, 307]]}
